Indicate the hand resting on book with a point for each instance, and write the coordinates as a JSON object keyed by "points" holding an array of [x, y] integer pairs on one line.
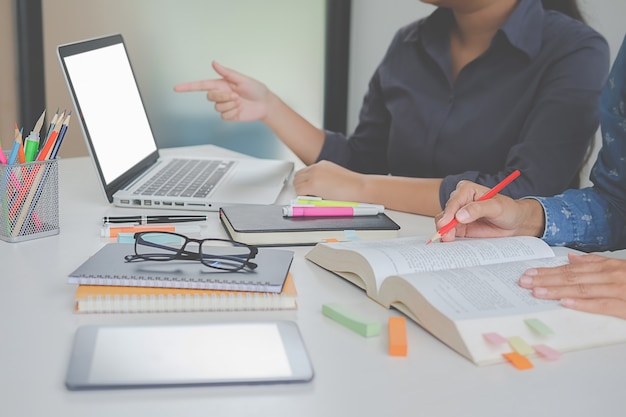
{"points": [[591, 283]]}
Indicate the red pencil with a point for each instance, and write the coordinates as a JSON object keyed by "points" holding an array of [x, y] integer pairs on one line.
{"points": [[495, 190]]}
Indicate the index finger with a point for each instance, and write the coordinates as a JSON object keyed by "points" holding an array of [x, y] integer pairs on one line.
{"points": [[201, 85], [466, 192]]}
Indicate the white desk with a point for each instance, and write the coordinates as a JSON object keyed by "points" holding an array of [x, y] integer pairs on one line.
{"points": [[354, 375]]}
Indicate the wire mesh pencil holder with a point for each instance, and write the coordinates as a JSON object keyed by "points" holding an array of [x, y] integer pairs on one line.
{"points": [[29, 200]]}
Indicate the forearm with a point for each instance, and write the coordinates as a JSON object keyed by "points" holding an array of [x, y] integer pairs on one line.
{"points": [[412, 195], [304, 139]]}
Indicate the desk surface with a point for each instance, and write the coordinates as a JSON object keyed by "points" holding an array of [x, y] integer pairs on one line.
{"points": [[354, 375]]}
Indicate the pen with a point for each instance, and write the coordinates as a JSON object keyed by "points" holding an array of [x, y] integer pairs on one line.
{"points": [[306, 211], [495, 190], [153, 219], [57, 143], [317, 201]]}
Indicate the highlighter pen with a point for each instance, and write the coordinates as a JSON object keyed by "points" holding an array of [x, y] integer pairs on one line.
{"points": [[3, 158], [308, 211], [31, 144], [317, 201], [495, 190]]}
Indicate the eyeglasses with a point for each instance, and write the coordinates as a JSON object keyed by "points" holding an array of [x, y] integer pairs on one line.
{"points": [[227, 255]]}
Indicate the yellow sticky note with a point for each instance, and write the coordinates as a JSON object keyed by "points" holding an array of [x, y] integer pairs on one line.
{"points": [[520, 346]]}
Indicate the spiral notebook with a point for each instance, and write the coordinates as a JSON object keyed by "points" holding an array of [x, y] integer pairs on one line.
{"points": [[116, 299], [108, 267]]}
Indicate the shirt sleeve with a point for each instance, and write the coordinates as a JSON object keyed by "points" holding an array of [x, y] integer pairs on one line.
{"points": [[366, 151], [558, 129], [583, 219], [594, 219]]}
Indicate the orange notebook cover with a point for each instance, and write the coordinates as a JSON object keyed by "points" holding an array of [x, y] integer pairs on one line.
{"points": [[118, 299]]}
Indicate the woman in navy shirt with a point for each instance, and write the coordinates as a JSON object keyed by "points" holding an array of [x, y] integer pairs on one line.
{"points": [[473, 91]]}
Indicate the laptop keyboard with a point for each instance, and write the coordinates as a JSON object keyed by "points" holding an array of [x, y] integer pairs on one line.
{"points": [[185, 178]]}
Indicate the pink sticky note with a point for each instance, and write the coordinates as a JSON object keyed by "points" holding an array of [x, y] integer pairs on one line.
{"points": [[494, 338], [547, 352]]}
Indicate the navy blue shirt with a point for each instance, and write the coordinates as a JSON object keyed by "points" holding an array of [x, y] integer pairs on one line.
{"points": [[530, 102]]}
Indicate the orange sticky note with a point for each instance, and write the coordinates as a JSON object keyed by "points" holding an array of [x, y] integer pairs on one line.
{"points": [[520, 362], [114, 231], [397, 336]]}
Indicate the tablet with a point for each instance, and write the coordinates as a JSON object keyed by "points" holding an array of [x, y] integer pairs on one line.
{"points": [[191, 354]]}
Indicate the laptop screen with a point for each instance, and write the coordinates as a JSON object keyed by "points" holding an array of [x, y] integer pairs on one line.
{"points": [[113, 116]]}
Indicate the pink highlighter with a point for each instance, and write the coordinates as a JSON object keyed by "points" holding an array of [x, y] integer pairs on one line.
{"points": [[315, 211]]}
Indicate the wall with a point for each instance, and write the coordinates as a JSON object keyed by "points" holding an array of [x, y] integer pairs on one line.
{"points": [[8, 80], [370, 36], [280, 42]]}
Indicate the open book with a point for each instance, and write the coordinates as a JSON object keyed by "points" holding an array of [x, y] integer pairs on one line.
{"points": [[459, 291]]}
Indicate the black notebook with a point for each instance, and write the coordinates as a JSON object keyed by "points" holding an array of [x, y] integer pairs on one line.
{"points": [[108, 267], [264, 225]]}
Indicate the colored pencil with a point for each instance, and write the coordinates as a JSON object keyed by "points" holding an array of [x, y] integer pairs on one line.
{"points": [[495, 190]]}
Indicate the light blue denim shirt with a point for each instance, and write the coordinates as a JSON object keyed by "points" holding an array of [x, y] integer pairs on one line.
{"points": [[594, 218]]}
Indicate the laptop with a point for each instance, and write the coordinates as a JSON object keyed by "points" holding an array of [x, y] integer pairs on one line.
{"points": [[122, 146]]}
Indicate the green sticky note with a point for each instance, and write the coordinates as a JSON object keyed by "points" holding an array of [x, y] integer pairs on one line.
{"points": [[539, 327], [520, 346], [351, 320]]}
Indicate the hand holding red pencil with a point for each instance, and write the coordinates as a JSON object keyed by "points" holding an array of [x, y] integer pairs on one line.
{"points": [[455, 205]]}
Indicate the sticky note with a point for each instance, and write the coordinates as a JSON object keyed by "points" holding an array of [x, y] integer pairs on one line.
{"points": [[397, 336], [351, 234], [126, 238], [494, 338], [520, 362], [351, 320], [539, 327], [547, 352], [520, 346]]}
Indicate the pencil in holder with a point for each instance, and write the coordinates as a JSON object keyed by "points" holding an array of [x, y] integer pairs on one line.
{"points": [[29, 200]]}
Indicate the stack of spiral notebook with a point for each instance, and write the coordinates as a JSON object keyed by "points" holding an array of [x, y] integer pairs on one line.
{"points": [[109, 284]]}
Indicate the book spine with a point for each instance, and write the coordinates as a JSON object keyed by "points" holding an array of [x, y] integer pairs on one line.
{"points": [[186, 303], [177, 283]]}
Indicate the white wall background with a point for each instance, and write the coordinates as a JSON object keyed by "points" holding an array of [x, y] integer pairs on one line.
{"points": [[280, 42], [371, 34]]}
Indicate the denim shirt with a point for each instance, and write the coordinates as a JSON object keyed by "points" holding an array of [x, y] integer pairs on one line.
{"points": [[594, 218], [529, 102]]}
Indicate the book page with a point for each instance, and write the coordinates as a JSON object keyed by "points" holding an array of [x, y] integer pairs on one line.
{"points": [[483, 291], [406, 255]]}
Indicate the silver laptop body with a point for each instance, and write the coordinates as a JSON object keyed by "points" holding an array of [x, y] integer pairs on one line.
{"points": [[117, 131]]}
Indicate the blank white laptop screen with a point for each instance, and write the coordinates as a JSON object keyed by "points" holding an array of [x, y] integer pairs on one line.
{"points": [[121, 142], [112, 110]]}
